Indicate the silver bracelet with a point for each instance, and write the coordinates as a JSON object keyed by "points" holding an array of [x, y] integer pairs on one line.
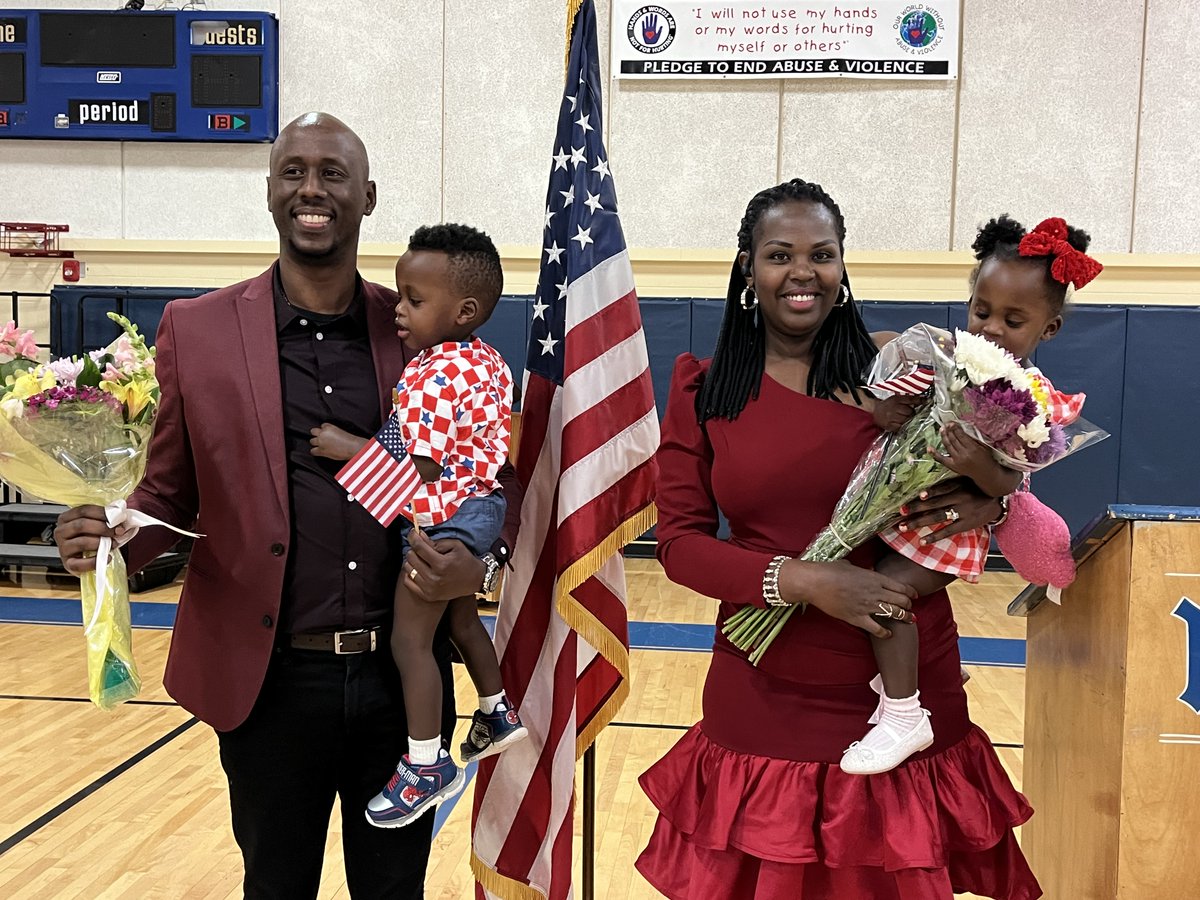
{"points": [[771, 582], [1003, 517]]}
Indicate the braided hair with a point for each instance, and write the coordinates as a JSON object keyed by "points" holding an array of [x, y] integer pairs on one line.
{"points": [[1000, 238], [842, 348]]}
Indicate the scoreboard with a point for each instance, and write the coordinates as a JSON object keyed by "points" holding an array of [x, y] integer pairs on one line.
{"points": [[198, 75]]}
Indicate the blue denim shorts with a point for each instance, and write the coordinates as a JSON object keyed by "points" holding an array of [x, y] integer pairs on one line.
{"points": [[477, 523]]}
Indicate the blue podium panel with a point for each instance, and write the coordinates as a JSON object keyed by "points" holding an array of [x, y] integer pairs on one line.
{"points": [[1087, 355], [1161, 413]]}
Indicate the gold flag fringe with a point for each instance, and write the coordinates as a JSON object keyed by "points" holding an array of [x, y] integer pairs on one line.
{"points": [[573, 7], [502, 885], [588, 627]]}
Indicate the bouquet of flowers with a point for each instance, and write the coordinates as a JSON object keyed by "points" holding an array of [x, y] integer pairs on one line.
{"points": [[971, 381], [75, 431]]}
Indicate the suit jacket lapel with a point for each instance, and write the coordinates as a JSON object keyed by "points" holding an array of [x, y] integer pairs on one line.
{"points": [[387, 350], [260, 347]]}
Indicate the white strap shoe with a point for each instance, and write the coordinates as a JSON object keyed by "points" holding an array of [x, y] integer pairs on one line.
{"points": [[884, 748]]}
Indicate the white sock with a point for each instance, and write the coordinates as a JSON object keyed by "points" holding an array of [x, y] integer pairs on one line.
{"points": [[488, 703], [424, 753], [902, 713]]}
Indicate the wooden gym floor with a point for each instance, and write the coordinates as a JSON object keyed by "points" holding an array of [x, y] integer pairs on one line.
{"points": [[132, 804]]}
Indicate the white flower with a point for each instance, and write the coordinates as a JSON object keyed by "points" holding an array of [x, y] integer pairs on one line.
{"points": [[13, 408], [67, 370], [1035, 433], [983, 361]]}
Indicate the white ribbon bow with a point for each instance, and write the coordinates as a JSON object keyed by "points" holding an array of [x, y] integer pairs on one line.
{"points": [[117, 513]]}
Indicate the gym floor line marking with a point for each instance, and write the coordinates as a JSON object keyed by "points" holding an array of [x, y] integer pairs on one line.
{"points": [[676, 636], [83, 793]]}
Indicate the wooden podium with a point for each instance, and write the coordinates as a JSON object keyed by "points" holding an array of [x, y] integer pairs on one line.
{"points": [[1112, 730]]}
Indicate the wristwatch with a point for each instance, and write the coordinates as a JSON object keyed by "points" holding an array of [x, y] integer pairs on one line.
{"points": [[491, 573]]}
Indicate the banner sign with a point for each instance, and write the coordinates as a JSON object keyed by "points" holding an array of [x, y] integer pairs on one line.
{"points": [[714, 39]]}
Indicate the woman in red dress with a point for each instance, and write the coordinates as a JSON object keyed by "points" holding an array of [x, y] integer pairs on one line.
{"points": [[752, 803]]}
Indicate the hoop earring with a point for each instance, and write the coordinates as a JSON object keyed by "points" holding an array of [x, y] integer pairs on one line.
{"points": [[844, 297], [749, 300]]}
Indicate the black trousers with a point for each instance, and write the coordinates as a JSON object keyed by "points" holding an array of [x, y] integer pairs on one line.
{"points": [[325, 726]]}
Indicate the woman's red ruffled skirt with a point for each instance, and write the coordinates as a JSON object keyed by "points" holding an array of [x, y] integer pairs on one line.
{"points": [[743, 827]]}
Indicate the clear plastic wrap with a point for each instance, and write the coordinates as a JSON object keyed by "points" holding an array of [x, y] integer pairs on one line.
{"points": [[75, 432]]}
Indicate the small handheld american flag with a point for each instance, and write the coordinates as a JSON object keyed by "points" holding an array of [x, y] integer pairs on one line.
{"points": [[382, 476], [917, 381]]}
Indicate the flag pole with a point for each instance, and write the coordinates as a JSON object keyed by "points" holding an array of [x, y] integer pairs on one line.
{"points": [[589, 822]]}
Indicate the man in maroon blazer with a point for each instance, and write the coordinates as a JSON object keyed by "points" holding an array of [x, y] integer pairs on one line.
{"points": [[281, 636]]}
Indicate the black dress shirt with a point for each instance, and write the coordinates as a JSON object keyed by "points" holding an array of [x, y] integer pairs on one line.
{"points": [[342, 566]]}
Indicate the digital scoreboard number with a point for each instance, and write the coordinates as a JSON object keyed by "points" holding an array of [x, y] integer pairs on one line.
{"points": [[139, 76]]}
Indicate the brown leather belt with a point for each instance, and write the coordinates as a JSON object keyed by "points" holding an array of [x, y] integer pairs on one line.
{"points": [[361, 640]]}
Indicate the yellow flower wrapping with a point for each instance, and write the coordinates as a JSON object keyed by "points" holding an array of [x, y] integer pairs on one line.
{"points": [[100, 459]]}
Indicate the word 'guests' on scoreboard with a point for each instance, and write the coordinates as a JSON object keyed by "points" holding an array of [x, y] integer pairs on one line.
{"points": [[139, 76]]}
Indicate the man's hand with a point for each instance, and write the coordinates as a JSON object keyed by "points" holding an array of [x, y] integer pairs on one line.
{"points": [[443, 569], [78, 534]]}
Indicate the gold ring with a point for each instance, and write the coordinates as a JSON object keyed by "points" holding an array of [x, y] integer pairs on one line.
{"points": [[885, 609], [412, 573]]}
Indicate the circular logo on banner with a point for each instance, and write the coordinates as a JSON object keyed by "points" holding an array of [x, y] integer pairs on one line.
{"points": [[651, 29], [919, 28]]}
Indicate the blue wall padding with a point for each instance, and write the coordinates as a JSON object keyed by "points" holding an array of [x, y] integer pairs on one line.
{"points": [[1160, 421], [1137, 365]]}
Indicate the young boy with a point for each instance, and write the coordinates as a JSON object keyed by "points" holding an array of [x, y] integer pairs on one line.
{"points": [[453, 405]]}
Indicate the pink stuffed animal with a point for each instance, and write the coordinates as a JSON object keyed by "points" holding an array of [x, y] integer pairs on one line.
{"points": [[1037, 542]]}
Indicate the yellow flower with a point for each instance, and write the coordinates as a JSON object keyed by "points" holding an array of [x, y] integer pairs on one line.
{"points": [[137, 398], [1040, 393], [35, 381]]}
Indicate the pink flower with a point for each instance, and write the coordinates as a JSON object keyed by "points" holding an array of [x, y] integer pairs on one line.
{"points": [[124, 354], [15, 344], [111, 373], [27, 346], [66, 370]]}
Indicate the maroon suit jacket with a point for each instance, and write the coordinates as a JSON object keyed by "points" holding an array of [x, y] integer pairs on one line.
{"points": [[217, 462]]}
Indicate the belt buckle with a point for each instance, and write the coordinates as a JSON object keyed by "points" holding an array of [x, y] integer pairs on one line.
{"points": [[339, 635]]}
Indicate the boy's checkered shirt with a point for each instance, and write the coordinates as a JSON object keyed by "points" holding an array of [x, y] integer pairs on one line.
{"points": [[454, 404]]}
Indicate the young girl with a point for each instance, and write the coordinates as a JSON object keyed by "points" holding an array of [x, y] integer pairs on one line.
{"points": [[453, 406], [1017, 294]]}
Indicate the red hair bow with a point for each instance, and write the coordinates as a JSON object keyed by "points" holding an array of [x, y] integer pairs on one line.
{"points": [[1070, 266]]}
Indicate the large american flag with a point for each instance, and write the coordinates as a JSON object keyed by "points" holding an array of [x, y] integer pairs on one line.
{"points": [[589, 431]]}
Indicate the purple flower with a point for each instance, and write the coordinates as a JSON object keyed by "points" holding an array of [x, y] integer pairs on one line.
{"points": [[1051, 449], [998, 410]]}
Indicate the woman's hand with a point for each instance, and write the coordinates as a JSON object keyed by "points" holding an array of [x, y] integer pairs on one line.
{"points": [[951, 507], [845, 591]]}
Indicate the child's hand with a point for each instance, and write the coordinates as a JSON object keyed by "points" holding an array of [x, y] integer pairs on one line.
{"points": [[975, 460], [892, 412], [332, 442]]}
